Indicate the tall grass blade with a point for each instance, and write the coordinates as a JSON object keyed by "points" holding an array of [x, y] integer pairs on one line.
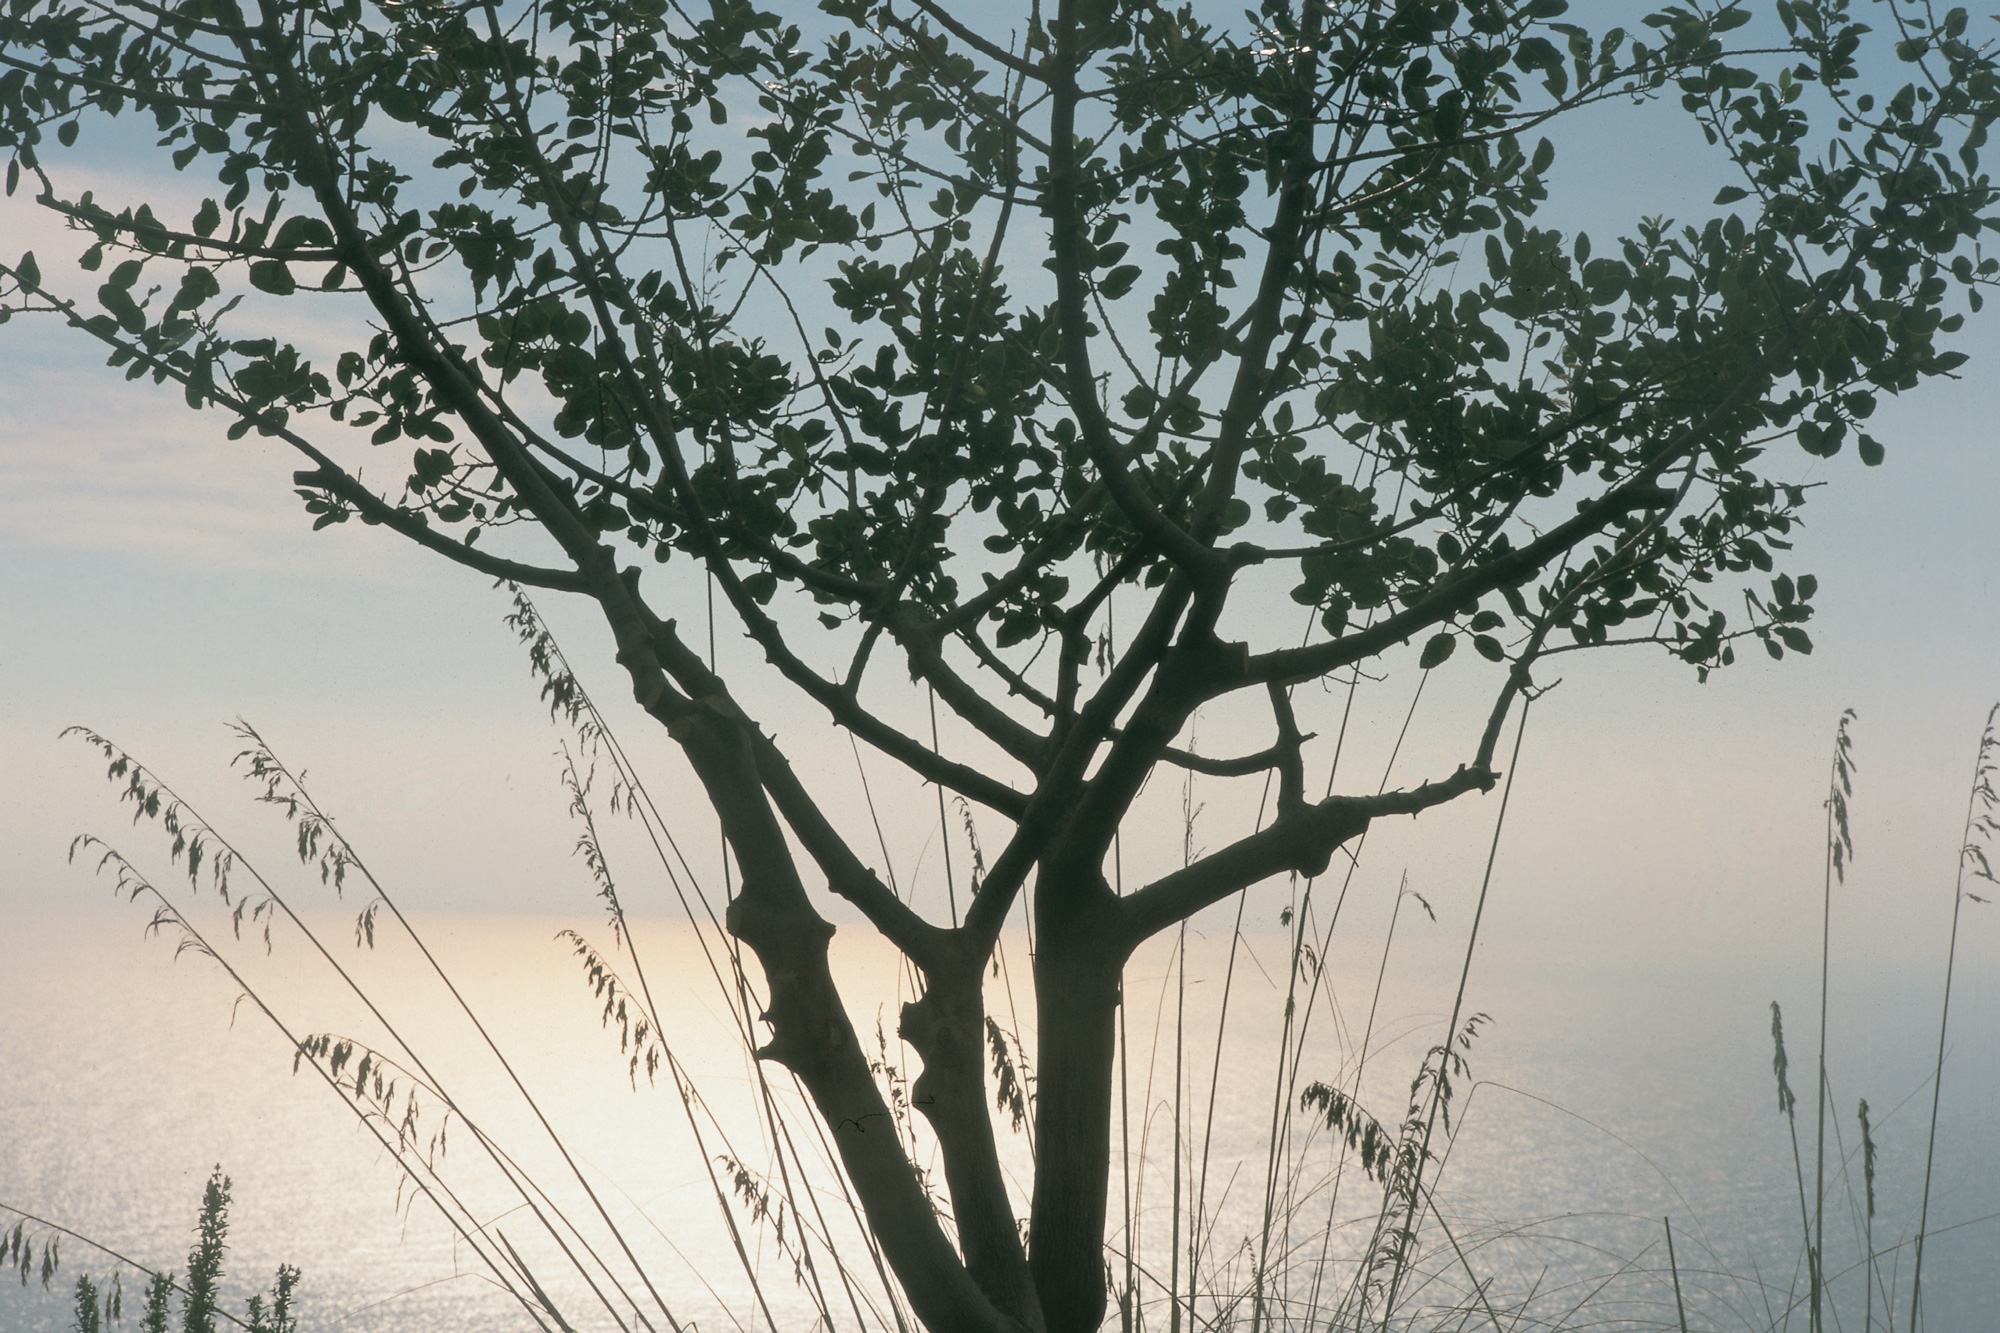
{"points": [[1674, 1267], [1839, 850], [1980, 825], [1788, 1104], [1868, 1180], [1441, 1085]]}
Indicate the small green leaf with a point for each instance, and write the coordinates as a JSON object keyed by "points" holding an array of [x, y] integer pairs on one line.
{"points": [[123, 309], [207, 219], [271, 275], [1870, 449], [1489, 647], [395, 100], [198, 284], [1437, 650], [1729, 194], [1118, 281], [300, 231]]}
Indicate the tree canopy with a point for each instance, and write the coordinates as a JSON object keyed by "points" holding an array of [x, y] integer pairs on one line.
{"points": [[921, 331]]}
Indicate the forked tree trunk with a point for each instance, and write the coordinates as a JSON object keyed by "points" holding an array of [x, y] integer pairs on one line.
{"points": [[812, 1036], [947, 1028], [1077, 972]]}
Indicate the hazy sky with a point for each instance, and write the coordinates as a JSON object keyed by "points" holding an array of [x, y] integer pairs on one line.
{"points": [[157, 580], [160, 580]]}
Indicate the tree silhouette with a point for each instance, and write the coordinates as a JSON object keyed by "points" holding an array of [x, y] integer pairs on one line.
{"points": [[918, 332]]}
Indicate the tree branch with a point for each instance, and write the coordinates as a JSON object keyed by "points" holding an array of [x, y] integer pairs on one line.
{"points": [[96, 216], [1294, 664], [1283, 755], [141, 99], [919, 642], [840, 703], [1016, 683], [1054, 538], [998, 54], [1303, 841], [330, 478], [1251, 390], [846, 874], [1055, 800], [1062, 204]]}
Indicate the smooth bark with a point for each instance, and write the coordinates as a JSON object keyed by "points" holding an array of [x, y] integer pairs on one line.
{"points": [[1077, 988]]}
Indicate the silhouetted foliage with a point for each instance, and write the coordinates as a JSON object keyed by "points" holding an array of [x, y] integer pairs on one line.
{"points": [[931, 331]]}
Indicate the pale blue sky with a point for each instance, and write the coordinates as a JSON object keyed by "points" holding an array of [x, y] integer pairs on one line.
{"points": [[157, 580], [160, 580]]}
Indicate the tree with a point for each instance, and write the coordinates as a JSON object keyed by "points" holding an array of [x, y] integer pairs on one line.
{"points": [[1116, 299]]}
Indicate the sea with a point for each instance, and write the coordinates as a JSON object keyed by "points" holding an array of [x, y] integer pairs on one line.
{"points": [[1616, 1154]]}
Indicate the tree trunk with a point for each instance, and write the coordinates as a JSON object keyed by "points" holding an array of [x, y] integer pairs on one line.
{"points": [[811, 1035], [947, 1027], [1077, 992]]}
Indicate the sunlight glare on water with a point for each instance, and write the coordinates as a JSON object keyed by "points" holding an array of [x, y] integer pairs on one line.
{"points": [[1598, 1102]]}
